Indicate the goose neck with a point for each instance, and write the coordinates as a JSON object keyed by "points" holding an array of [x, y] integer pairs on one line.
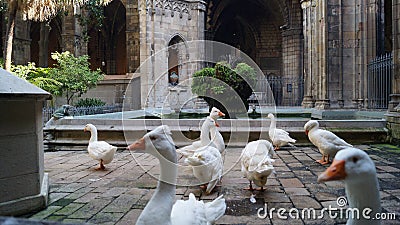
{"points": [[93, 135], [205, 135], [164, 194], [362, 196], [273, 123]]}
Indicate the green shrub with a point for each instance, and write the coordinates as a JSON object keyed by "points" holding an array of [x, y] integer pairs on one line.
{"points": [[37, 76], [74, 74], [211, 83], [89, 102]]}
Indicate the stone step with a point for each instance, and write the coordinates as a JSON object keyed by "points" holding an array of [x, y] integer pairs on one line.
{"points": [[68, 134]]}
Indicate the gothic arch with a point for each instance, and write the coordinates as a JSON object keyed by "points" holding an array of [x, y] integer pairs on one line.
{"points": [[107, 45], [269, 31], [177, 55], [46, 38]]}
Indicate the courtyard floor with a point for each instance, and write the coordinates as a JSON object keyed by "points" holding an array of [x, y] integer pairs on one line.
{"points": [[80, 194]]}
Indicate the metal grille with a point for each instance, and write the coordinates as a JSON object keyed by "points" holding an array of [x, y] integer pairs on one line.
{"points": [[81, 111], [380, 78], [281, 91]]}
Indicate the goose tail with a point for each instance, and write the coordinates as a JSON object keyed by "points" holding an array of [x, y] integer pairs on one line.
{"points": [[215, 209]]}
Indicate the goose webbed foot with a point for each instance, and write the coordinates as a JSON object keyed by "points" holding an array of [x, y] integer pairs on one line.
{"points": [[101, 167], [323, 160], [250, 188]]}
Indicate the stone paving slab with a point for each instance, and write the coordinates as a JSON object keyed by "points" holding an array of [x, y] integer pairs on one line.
{"points": [[80, 194]]}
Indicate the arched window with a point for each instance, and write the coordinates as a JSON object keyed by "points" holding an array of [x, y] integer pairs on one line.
{"points": [[175, 52]]}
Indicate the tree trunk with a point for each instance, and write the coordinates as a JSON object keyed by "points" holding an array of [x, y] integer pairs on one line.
{"points": [[10, 36]]}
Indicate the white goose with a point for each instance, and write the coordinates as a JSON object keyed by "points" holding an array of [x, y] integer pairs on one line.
{"points": [[278, 137], [99, 150], [256, 161], [204, 139], [216, 136], [207, 165], [160, 209], [358, 171], [327, 142]]}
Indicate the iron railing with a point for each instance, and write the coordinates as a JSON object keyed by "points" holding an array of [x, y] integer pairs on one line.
{"points": [[379, 84], [280, 91], [81, 111]]}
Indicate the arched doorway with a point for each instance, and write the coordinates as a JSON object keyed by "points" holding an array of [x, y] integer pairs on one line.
{"points": [[107, 44], [269, 31]]}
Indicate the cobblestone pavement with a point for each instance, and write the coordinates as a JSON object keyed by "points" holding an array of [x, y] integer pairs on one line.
{"points": [[80, 194]]}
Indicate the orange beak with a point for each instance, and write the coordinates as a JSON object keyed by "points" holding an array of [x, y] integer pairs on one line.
{"points": [[307, 132], [221, 114], [138, 145], [84, 129], [336, 171]]}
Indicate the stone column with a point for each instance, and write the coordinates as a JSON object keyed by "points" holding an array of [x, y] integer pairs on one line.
{"points": [[44, 44], [81, 42], [146, 16], [393, 115], [22, 42], [68, 32], [320, 60], [394, 105], [132, 36], [308, 7]]}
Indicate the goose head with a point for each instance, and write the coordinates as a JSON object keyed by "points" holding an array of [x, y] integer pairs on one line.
{"points": [[89, 127], [351, 165], [312, 124], [271, 116], [158, 143], [215, 113], [197, 159]]}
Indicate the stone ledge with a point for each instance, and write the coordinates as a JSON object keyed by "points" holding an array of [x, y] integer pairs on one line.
{"points": [[69, 132]]}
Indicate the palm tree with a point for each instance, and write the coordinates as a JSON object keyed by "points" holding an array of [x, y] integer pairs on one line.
{"points": [[38, 10]]}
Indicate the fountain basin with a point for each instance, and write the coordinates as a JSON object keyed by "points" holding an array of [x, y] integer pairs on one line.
{"points": [[67, 134]]}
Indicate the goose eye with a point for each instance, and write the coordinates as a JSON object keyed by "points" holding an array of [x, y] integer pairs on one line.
{"points": [[153, 138], [354, 159]]}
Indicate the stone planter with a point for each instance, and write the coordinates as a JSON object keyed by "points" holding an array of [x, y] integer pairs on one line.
{"points": [[23, 183]]}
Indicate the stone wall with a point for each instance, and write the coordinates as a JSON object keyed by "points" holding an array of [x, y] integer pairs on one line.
{"points": [[160, 22], [112, 90]]}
